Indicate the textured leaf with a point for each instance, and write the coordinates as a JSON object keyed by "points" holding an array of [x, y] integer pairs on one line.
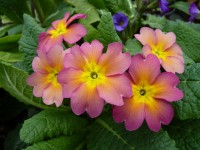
{"points": [[182, 6], [60, 143], [49, 123], [105, 134], [91, 32], [107, 33], [133, 46], [189, 106], [13, 80], [186, 134], [29, 40]]}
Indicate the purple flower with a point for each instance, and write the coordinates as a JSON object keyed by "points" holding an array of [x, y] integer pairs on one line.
{"points": [[164, 6], [120, 21], [194, 11]]}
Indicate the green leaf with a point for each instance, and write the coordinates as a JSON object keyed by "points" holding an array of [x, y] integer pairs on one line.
{"points": [[29, 40], [14, 9], [185, 133], [107, 33], [15, 30], [13, 80], [11, 57], [99, 4], [59, 143], [182, 6], [91, 32], [4, 29], [49, 123], [133, 47], [88, 9], [9, 42], [105, 134], [189, 106]]}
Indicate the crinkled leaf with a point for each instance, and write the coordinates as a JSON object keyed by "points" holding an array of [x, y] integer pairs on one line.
{"points": [[13, 80], [59, 143], [185, 133], [107, 33], [105, 134], [189, 106], [133, 46], [49, 123], [29, 40]]}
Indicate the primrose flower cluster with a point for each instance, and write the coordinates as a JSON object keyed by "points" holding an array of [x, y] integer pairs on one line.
{"points": [[134, 86]]}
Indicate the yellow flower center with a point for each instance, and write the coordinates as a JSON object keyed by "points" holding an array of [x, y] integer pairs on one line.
{"points": [[61, 29], [143, 92], [159, 52], [92, 75], [52, 77]]}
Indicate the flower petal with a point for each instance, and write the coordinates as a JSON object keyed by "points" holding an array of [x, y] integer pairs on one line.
{"points": [[74, 33], [36, 79], [40, 65], [114, 61], [165, 87], [146, 36], [70, 79], [63, 21], [53, 94], [42, 40], [55, 57], [74, 17], [158, 112], [86, 99], [175, 51], [39, 89], [165, 40], [144, 69], [173, 64], [112, 90], [75, 58], [132, 112], [93, 51]]}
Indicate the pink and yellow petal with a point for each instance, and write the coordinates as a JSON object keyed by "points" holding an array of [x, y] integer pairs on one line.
{"points": [[165, 41], [74, 17], [53, 94], [112, 90], [132, 113], [173, 64], [70, 79], [114, 61], [86, 99], [74, 33], [146, 36], [75, 58], [145, 70], [63, 21], [92, 51], [36, 79], [158, 112], [165, 87]]}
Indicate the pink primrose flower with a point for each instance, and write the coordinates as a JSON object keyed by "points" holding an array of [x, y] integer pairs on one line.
{"points": [[46, 67], [90, 77], [164, 47], [62, 30], [152, 93]]}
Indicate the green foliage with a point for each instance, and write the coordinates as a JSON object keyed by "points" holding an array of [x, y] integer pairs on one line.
{"points": [[133, 47], [189, 106], [185, 133], [182, 6], [4, 29], [14, 9], [29, 40], [107, 33], [9, 42], [13, 80], [49, 123], [59, 143], [105, 134]]}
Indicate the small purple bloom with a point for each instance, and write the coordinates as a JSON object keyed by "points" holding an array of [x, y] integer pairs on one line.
{"points": [[164, 6], [194, 11], [120, 21]]}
